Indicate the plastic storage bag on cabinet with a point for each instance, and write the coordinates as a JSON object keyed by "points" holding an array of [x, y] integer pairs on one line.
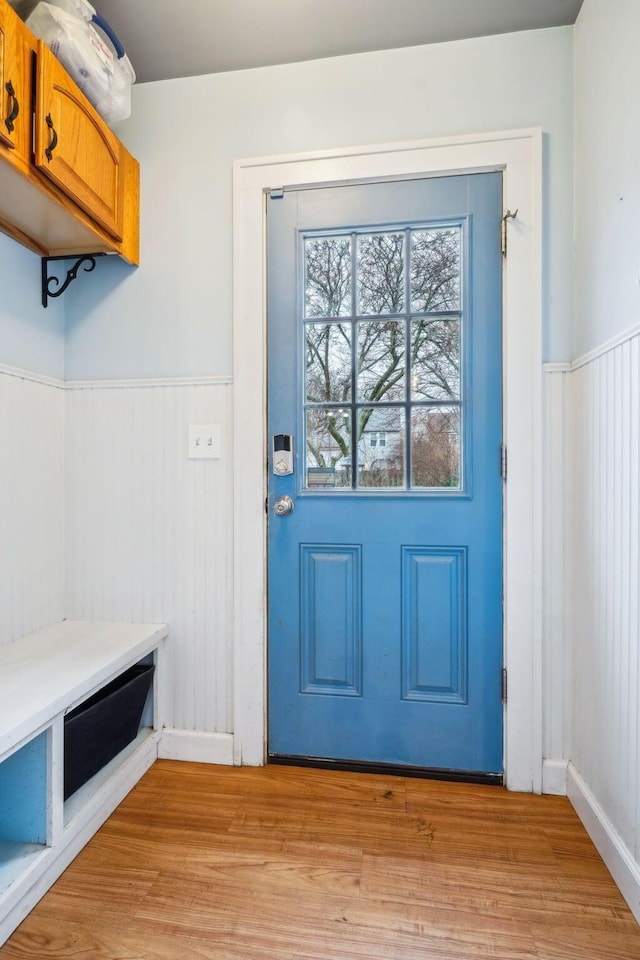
{"points": [[104, 75], [77, 8]]}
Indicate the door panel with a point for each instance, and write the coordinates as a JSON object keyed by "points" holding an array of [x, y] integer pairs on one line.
{"points": [[434, 629], [385, 583], [330, 625]]}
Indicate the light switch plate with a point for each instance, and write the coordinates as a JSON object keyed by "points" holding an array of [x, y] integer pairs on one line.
{"points": [[204, 441]]}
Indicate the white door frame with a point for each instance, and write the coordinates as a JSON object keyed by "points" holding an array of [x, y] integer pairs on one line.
{"points": [[518, 153]]}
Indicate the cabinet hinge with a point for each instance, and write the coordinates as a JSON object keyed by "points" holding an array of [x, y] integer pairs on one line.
{"points": [[503, 243], [504, 684], [276, 193], [503, 461]]}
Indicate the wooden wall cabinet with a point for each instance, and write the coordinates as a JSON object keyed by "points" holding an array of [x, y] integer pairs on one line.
{"points": [[15, 71], [67, 184], [75, 148]]}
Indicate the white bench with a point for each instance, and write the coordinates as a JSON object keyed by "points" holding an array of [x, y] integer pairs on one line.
{"points": [[42, 677]]}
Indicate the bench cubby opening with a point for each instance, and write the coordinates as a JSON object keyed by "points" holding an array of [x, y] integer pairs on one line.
{"points": [[74, 670]]}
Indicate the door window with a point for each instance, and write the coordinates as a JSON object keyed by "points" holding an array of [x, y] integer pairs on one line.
{"points": [[383, 380]]}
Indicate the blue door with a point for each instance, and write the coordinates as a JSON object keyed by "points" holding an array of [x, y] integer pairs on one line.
{"points": [[385, 488]]}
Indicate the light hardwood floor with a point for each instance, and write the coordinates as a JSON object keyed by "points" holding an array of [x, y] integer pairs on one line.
{"points": [[281, 863]]}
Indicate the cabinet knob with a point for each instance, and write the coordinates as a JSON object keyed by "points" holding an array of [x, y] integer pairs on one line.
{"points": [[53, 143], [14, 108]]}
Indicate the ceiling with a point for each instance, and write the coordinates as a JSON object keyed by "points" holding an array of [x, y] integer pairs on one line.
{"points": [[183, 38]]}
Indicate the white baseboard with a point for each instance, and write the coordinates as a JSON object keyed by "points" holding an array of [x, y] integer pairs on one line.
{"points": [[197, 747], [554, 777], [616, 855]]}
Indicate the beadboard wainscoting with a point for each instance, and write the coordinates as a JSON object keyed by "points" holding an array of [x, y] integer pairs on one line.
{"points": [[556, 683], [31, 502], [148, 537], [603, 560]]}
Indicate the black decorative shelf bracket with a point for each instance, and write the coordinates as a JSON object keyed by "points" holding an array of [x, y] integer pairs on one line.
{"points": [[53, 286]]}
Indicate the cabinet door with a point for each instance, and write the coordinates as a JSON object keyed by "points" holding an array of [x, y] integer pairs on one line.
{"points": [[75, 148], [14, 84]]}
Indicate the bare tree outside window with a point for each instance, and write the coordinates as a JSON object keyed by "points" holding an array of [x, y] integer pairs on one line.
{"points": [[435, 270], [328, 277], [381, 273]]}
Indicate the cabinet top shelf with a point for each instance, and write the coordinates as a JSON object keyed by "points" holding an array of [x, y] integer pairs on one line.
{"points": [[52, 670]]}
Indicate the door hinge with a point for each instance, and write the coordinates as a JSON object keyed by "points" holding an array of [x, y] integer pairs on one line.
{"points": [[266, 505], [503, 461], [276, 193], [504, 684], [503, 244]]}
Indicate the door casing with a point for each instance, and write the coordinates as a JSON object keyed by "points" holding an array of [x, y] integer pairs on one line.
{"points": [[519, 155]]}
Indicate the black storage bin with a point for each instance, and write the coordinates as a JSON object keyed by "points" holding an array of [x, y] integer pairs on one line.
{"points": [[100, 727]]}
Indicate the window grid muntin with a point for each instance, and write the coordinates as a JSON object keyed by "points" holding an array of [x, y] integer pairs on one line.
{"points": [[407, 316]]}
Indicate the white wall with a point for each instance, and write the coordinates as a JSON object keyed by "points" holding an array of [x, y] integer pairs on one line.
{"points": [[31, 505], [172, 317], [148, 532], [607, 186], [556, 651], [31, 453], [603, 483], [605, 589]]}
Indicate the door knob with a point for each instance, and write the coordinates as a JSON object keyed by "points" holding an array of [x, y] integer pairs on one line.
{"points": [[283, 506]]}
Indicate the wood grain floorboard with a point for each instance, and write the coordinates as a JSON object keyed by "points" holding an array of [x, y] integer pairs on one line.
{"points": [[285, 863]]}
